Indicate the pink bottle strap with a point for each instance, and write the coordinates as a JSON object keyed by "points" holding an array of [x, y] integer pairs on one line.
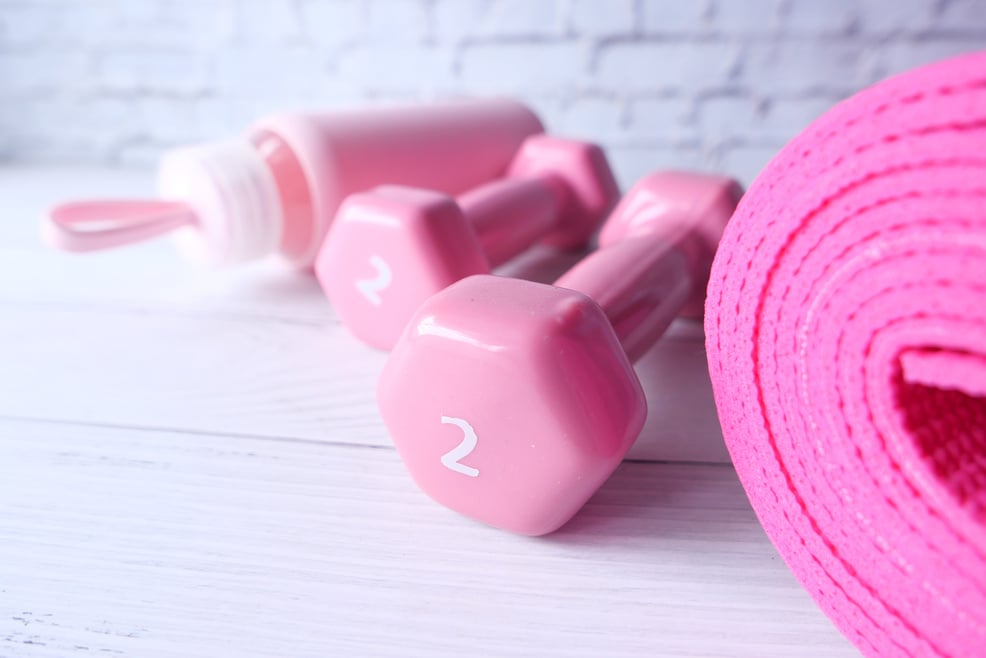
{"points": [[94, 225]]}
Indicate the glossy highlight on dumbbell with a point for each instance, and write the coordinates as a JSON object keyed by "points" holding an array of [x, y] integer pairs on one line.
{"points": [[394, 246], [512, 401]]}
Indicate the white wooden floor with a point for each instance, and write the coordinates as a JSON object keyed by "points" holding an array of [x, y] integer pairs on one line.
{"points": [[191, 464]]}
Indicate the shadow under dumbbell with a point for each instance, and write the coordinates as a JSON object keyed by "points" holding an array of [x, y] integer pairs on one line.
{"points": [[682, 422], [650, 504]]}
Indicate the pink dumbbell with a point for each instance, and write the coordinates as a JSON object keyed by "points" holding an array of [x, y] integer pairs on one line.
{"points": [[512, 401], [391, 248]]}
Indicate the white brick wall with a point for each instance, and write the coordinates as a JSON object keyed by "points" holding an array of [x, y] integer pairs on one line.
{"points": [[716, 84]]}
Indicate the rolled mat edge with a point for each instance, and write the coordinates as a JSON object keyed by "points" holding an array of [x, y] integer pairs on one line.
{"points": [[846, 337]]}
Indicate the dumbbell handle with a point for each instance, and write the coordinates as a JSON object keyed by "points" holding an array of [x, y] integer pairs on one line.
{"points": [[641, 283], [508, 215]]}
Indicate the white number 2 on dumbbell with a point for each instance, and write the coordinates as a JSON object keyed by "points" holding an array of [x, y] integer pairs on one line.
{"points": [[371, 287], [450, 459]]}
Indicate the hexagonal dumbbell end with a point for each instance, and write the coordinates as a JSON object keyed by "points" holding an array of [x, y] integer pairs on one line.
{"points": [[387, 250], [512, 401], [583, 180]]}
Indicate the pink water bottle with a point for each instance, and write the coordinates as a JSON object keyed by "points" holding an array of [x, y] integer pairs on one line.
{"points": [[276, 189]]}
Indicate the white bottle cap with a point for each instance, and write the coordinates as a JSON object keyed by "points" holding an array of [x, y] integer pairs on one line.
{"points": [[234, 197]]}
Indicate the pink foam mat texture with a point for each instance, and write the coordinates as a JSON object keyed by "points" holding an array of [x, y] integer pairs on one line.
{"points": [[846, 337]]}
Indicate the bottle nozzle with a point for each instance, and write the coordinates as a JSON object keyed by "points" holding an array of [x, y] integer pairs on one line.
{"points": [[224, 192]]}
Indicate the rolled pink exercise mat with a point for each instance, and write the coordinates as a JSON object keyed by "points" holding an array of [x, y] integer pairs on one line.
{"points": [[846, 336]]}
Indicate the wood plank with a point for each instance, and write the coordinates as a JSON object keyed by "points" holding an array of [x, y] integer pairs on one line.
{"points": [[203, 372], [152, 543]]}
